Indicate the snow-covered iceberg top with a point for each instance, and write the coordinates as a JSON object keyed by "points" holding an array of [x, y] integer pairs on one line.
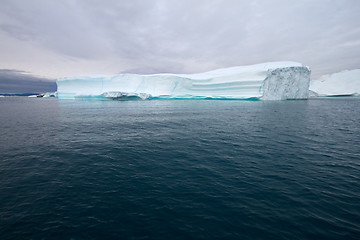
{"points": [[267, 81], [345, 83]]}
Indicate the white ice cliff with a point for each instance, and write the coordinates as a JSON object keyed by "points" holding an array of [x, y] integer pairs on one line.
{"points": [[345, 83], [267, 81]]}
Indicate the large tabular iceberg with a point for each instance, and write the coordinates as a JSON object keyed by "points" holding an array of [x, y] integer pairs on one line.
{"points": [[345, 83], [268, 81]]}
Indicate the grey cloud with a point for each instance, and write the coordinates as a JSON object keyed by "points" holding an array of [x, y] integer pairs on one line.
{"points": [[17, 81], [193, 35]]}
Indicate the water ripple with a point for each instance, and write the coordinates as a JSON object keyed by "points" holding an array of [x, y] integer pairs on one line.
{"points": [[180, 169]]}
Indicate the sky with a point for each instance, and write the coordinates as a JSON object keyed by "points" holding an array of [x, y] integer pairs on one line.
{"points": [[41, 40]]}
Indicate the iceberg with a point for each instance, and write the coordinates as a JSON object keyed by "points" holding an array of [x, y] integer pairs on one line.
{"points": [[345, 83], [44, 95], [267, 81], [50, 94]]}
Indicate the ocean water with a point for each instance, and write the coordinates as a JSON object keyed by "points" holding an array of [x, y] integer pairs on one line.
{"points": [[199, 169]]}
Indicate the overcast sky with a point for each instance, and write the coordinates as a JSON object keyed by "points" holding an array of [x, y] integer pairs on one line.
{"points": [[51, 39]]}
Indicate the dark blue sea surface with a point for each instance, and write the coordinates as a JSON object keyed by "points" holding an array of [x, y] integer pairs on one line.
{"points": [[195, 169]]}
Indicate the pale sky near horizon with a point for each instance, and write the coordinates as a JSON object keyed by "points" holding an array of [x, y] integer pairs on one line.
{"points": [[52, 39]]}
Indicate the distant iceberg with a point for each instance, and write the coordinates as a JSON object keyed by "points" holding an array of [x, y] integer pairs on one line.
{"points": [[267, 81], [44, 95], [49, 94], [345, 83]]}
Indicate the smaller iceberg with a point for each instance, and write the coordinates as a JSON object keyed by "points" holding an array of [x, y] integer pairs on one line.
{"points": [[345, 83], [45, 95], [50, 94]]}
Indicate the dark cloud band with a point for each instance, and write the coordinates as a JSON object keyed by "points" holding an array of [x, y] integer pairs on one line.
{"points": [[15, 81]]}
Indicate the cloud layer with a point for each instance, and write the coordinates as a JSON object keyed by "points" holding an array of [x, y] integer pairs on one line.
{"points": [[14, 81], [147, 36]]}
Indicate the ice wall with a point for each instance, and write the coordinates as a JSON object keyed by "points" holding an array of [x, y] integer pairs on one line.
{"points": [[286, 83], [345, 83], [268, 81]]}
